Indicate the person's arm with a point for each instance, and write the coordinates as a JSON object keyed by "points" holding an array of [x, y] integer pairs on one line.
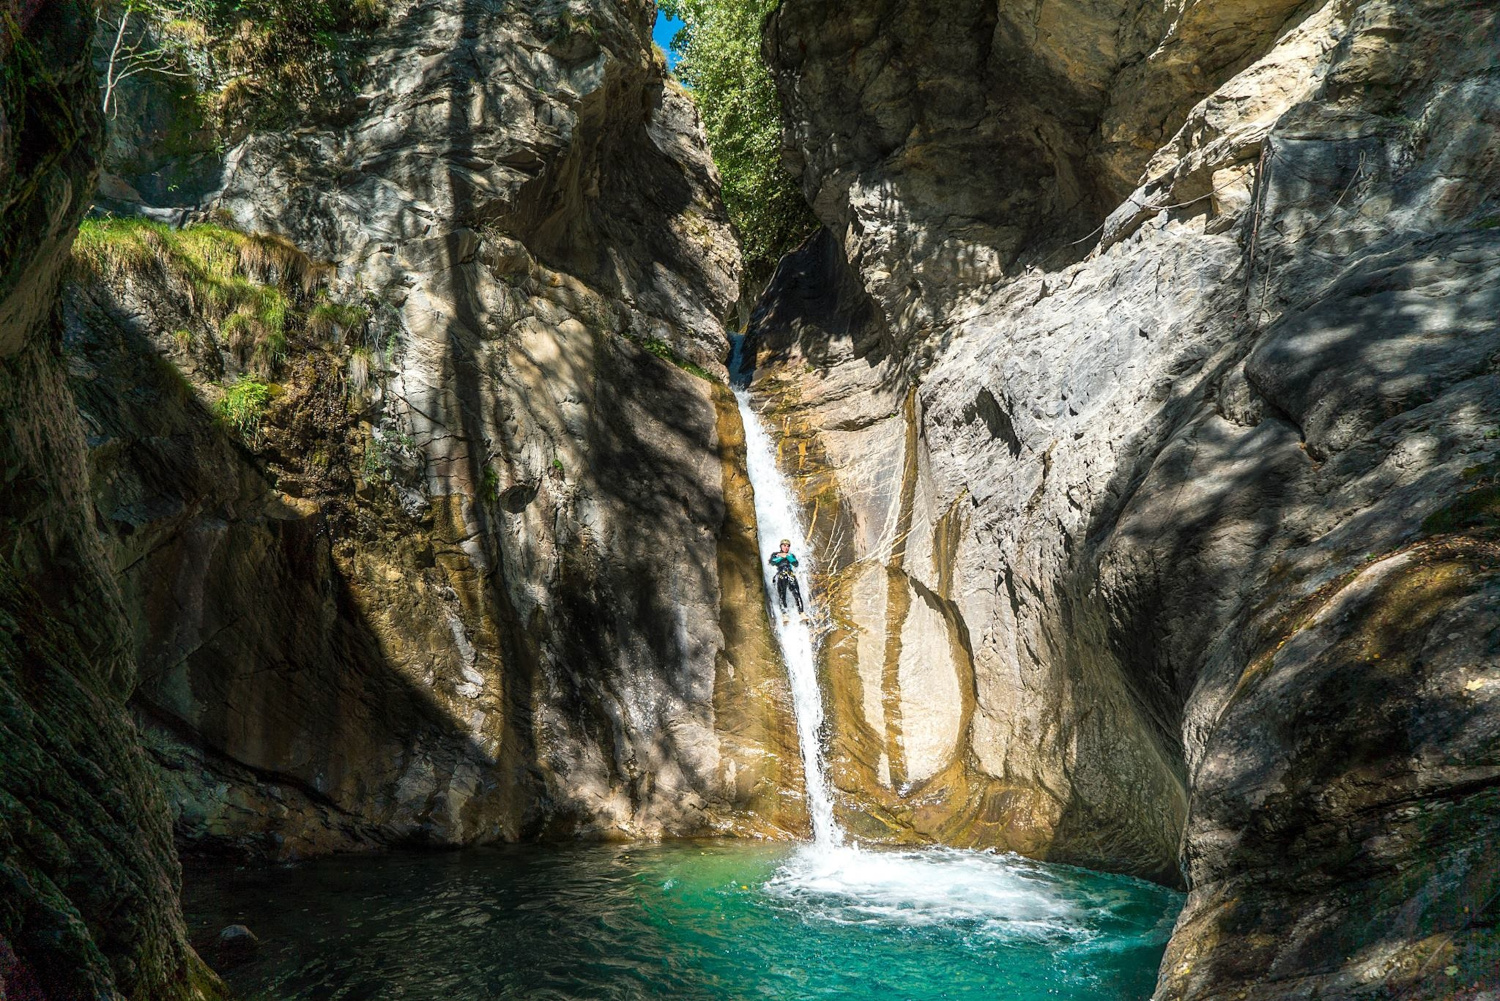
{"points": [[792, 559]]}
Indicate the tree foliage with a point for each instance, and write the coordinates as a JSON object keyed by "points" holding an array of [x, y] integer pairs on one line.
{"points": [[721, 64], [131, 52], [251, 61]]}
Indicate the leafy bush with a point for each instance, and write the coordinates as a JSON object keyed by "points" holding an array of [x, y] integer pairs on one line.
{"points": [[253, 61], [244, 406], [721, 63]]}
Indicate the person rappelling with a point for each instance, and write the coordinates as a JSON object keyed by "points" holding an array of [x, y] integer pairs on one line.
{"points": [[785, 563]]}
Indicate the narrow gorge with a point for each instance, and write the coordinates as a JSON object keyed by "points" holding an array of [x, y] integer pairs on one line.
{"points": [[400, 403]]}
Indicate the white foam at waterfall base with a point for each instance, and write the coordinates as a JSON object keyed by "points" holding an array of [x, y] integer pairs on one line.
{"points": [[778, 517], [993, 895]]}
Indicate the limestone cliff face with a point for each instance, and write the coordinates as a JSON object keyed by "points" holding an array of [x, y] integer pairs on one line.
{"points": [[1172, 550], [485, 567], [89, 905]]}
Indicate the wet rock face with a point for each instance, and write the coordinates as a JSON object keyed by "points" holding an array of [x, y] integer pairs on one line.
{"points": [[483, 590], [89, 907], [1204, 522]]}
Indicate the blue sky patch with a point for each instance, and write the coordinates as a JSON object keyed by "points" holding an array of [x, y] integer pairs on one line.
{"points": [[666, 29]]}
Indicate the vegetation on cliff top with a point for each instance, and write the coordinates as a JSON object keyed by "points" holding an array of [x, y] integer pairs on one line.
{"points": [[248, 299], [721, 62], [250, 62], [249, 287]]}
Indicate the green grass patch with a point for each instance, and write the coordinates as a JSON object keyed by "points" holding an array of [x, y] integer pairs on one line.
{"points": [[664, 351], [258, 292], [361, 364], [244, 406], [332, 321], [244, 284], [570, 23]]}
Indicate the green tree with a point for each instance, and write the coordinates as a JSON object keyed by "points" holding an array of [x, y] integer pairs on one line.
{"points": [[721, 64]]}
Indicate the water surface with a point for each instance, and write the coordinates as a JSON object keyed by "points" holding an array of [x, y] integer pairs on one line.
{"points": [[709, 920]]}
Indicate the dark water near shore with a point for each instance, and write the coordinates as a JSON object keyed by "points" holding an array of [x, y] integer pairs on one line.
{"points": [[709, 920]]}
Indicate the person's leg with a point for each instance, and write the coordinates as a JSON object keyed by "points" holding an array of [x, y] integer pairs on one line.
{"points": [[796, 593], [781, 591]]}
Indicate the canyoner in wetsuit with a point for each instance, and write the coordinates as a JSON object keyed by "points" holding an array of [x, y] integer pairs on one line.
{"points": [[786, 578]]}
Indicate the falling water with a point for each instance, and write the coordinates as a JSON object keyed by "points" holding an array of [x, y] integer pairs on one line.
{"points": [[778, 517]]}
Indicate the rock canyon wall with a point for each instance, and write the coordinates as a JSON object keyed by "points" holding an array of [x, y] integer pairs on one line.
{"points": [[1143, 390], [463, 580], [374, 479], [90, 880]]}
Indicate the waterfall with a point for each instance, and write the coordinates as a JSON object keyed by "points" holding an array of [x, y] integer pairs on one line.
{"points": [[778, 517]]}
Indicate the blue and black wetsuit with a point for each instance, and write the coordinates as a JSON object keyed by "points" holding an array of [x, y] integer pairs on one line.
{"points": [[786, 578]]}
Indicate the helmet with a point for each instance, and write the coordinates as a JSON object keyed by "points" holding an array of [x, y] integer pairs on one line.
{"points": [[786, 542]]}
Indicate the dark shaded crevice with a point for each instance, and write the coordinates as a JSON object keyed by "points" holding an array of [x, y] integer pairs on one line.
{"points": [[154, 716], [996, 419]]}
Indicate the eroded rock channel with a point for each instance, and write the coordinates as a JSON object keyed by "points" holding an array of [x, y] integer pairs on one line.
{"points": [[373, 477]]}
